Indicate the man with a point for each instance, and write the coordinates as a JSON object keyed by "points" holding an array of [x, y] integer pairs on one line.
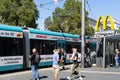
{"points": [[56, 63], [34, 64], [62, 58], [75, 65], [88, 62]]}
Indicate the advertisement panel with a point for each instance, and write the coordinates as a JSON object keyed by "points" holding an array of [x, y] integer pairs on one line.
{"points": [[11, 60]]}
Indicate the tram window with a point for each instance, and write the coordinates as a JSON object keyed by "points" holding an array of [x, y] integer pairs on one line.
{"points": [[58, 45], [50, 46], [71, 45], [63, 46], [91, 46], [43, 47], [10, 46]]}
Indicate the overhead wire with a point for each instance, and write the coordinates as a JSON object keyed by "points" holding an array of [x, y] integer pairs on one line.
{"points": [[42, 5]]}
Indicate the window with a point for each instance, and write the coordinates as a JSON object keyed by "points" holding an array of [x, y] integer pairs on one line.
{"points": [[43, 46], [71, 45], [91, 46], [11, 46]]}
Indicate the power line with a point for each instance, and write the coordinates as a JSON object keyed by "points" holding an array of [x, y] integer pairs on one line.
{"points": [[47, 3], [42, 5], [47, 8]]}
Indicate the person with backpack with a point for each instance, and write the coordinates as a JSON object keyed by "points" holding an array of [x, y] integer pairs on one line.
{"points": [[35, 59], [75, 66]]}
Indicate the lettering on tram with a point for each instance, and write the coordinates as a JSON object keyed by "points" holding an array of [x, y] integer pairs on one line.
{"points": [[10, 33], [10, 60], [41, 36]]}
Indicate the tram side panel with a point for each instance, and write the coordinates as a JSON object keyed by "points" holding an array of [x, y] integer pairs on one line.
{"points": [[44, 45], [11, 49]]}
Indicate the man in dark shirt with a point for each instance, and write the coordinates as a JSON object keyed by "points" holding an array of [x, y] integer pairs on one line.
{"points": [[34, 65]]}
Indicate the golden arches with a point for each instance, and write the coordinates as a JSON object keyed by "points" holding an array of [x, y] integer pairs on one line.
{"points": [[104, 23]]}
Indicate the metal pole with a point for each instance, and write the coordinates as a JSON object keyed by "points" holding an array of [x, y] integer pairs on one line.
{"points": [[83, 35], [104, 52]]}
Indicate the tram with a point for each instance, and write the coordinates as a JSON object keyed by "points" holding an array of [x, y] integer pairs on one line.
{"points": [[16, 46]]}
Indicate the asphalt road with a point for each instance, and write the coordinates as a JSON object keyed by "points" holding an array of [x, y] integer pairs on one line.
{"points": [[87, 74]]}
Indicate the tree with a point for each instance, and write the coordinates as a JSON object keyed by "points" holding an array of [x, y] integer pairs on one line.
{"points": [[68, 19], [118, 31], [19, 12], [47, 22]]}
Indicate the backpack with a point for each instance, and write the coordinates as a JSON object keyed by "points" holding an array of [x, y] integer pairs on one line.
{"points": [[37, 58], [78, 57]]}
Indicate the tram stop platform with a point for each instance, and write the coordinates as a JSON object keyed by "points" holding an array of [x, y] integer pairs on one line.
{"points": [[93, 73]]}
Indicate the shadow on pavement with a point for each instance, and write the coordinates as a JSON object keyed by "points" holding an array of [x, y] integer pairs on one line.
{"points": [[83, 76], [65, 69], [42, 77], [62, 79]]}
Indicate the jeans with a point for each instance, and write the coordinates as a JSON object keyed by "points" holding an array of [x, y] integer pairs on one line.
{"points": [[35, 72], [116, 61]]}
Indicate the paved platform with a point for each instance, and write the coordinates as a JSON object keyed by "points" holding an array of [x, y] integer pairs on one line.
{"points": [[93, 73]]}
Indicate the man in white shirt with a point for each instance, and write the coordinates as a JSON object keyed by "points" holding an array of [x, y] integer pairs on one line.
{"points": [[75, 65]]}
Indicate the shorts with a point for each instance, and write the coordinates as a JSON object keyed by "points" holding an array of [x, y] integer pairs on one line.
{"points": [[56, 68]]}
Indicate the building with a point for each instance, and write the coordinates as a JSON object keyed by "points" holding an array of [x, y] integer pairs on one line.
{"points": [[92, 22], [116, 24]]}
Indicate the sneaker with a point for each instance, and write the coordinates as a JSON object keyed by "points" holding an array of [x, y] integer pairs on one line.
{"points": [[80, 78], [68, 78]]}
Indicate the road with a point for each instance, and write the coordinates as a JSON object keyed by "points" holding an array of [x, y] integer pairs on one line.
{"points": [[93, 73]]}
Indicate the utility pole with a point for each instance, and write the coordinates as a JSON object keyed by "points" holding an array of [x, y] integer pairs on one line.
{"points": [[83, 35]]}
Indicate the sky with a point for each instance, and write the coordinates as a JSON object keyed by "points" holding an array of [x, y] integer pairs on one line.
{"points": [[95, 8]]}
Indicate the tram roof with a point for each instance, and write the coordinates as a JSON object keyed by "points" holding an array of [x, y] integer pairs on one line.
{"points": [[113, 38], [10, 28], [36, 31]]}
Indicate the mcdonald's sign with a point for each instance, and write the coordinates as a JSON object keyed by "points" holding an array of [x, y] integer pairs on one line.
{"points": [[104, 23]]}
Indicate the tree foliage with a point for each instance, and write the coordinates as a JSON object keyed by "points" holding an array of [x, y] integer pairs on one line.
{"points": [[68, 19], [18, 12], [118, 31]]}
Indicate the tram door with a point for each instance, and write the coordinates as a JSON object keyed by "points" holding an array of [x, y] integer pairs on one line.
{"points": [[61, 44]]}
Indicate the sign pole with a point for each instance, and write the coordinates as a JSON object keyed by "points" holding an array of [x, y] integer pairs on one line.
{"points": [[83, 35], [104, 51]]}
